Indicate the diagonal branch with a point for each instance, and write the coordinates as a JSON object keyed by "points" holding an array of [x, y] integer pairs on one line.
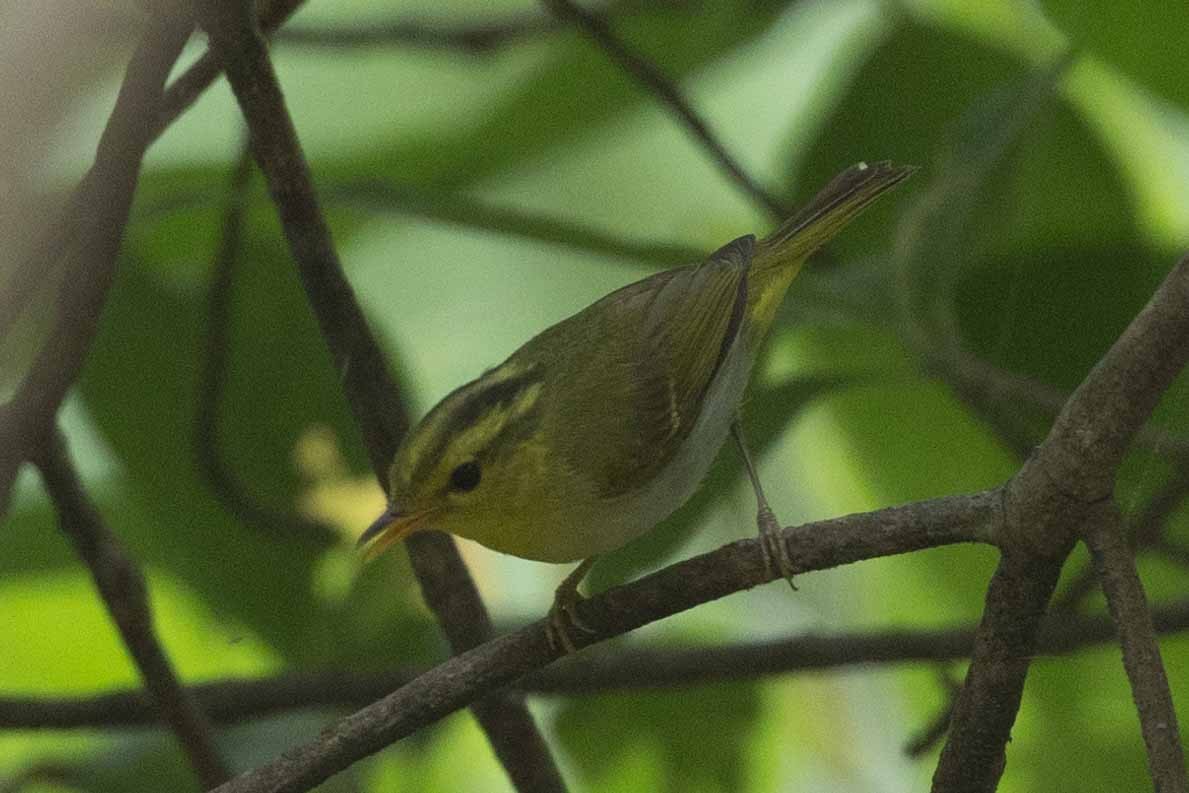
{"points": [[650, 77], [235, 700], [501, 661], [90, 230], [371, 393], [474, 38], [122, 587], [1125, 598], [1044, 505], [185, 90], [475, 213], [1146, 530]]}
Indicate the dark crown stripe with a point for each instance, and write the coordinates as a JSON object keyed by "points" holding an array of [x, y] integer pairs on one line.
{"points": [[470, 403]]}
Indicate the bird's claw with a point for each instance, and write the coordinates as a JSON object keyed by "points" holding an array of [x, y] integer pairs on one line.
{"points": [[564, 619], [777, 559]]}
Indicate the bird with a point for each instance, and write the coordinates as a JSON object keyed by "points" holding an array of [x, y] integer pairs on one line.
{"points": [[603, 424]]}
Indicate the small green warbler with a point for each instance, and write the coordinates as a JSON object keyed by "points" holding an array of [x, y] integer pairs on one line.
{"points": [[602, 425]]}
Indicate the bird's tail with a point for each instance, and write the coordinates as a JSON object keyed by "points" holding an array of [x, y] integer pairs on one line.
{"points": [[848, 194]]}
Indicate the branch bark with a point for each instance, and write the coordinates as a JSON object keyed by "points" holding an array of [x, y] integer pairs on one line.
{"points": [[91, 230], [122, 587], [1115, 565], [371, 392], [500, 661], [1044, 504]]}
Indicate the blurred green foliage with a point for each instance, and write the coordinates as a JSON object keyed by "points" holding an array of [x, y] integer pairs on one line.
{"points": [[1047, 208]]}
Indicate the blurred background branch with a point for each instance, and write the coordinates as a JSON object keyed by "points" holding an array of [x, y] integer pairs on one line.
{"points": [[233, 701], [121, 585], [380, 414]]}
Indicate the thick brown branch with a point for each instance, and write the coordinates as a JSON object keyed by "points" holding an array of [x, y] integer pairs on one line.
{"points": [[185, 90], [370, 390], [499, 662], [995, 389], [1093, 431], [122, 587], [650, 77], [1125, 598], [973, 757], [1071, 472], [233, 701]]}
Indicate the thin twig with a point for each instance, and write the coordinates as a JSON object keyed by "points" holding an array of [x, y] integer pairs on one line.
{"points": [[232, 701], [1003, 390], [1145, 530], [190, 84], [49, 774], [650, 77], [1141, 652], [973, 757], [934, 731], [370, 390], [91, 231], [475, 213], [227, 487], [474, 38], [500, 661], [122, 587], [1071, 472]]}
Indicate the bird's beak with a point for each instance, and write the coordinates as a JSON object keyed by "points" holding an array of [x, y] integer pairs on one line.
{"points": [[392, 526]]}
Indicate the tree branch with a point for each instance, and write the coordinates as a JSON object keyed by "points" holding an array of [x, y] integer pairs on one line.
{"points": [[185, 90], [1044, 503], [500, 661], [90, 230], [1146, 530], [232, 701], [476, 38], [122, 587], [973, 757], [370, 391], [1125, 598], [475, 213], [649, 76]]}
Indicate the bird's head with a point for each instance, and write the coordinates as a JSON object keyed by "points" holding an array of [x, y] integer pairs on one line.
{"points": [[463, 469]]}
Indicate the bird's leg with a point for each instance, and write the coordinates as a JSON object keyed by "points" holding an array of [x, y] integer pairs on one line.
{"points": [[562, 616], [776, 553]]}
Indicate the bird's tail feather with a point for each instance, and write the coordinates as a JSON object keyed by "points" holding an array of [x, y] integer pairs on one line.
{"points": [[847, 194]]}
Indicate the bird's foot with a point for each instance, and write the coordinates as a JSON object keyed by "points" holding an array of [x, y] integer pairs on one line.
{"points": [[564, 620], [777, 559]]}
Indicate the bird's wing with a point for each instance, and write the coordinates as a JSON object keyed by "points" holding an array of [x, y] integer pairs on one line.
{"points": [[684, 326]]}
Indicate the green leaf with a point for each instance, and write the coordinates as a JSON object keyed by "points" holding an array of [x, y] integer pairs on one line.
{"points": [[700, 742], [1133, 37]]}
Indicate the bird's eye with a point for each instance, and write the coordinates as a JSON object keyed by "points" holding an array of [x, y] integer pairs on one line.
{"points": [[465, 477]]}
